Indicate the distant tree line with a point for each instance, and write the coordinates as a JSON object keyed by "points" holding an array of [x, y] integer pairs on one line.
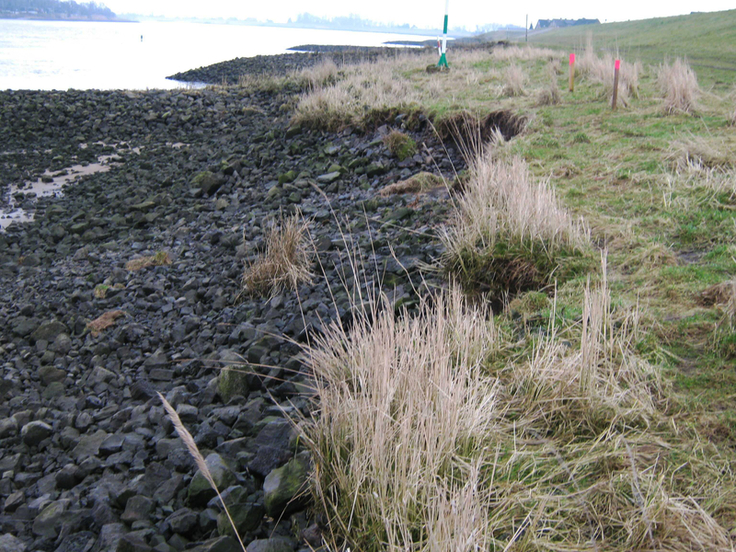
{"points": [[55, 8], [559, 23], [353, 23]]}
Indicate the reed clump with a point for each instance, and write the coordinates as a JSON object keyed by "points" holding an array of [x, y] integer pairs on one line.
{"points": [[514, 81], [286, 262], [679, 85], [431, 435], [509, 233]]}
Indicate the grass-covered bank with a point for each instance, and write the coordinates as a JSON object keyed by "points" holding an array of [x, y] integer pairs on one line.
{"points": [[707, 40], [632, 430]]}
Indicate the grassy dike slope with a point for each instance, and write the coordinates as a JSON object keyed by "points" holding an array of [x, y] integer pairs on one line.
{"points": [[707, 40], [592, 409]]}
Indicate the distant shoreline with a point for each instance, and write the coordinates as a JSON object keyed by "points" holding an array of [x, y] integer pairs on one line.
{"points": [[71, 19]]}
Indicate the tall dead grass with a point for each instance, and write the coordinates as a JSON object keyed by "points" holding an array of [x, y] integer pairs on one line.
{"points": [[199, 460], [423, 442], [502, 201], [323, 74], [367, 85], [679, 85], [401, 427], [601, 70], [286, 261], [396, 83], [514, 81], [527, 53], [694, 153]]}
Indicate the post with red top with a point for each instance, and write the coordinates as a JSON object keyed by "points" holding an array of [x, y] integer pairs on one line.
{"points": [[615, 83], [572, 72]]}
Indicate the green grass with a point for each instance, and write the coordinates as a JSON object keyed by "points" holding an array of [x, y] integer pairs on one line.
{"points": [[707, 40], [642, 182]]}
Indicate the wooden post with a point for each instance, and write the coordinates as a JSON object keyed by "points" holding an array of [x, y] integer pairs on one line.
{"points": [[526, 29], [572, 72], [615, 83]]}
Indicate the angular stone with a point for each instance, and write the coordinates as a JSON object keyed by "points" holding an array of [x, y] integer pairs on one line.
{"points": [[207, 182], [167, 491], [34, 432], [13, 502], [11, 462], [49, 331], [132, 543], [271, 447], [48, 522], [247, 516], [79, 542], [22, 326], [200, 491], [187, 413], [100, 375], [110, 536], [49, 374], [161, 374], [54, 390], [276, 544], [9, 543], [222, 544], [112, 444], [183, 521], [8, 428], [68, 477], [138, 508], [285, 488], [62, 344], [89, 445], [328, 178]]}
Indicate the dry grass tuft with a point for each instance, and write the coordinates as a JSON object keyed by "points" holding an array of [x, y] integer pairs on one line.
{"points": [[418, 183], [323, 74], [503, 202], [529, 53], [104, 321], [161, 258], [698, 153], [362, 87], [428, 438], [286, 261], [188, 441], [509, 234], [404, 413], [549, 95], [514, 81], [602, 70], [680, 87], [723, 297]]}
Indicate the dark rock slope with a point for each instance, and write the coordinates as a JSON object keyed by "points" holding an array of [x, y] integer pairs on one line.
{"points": [[88, 461]]}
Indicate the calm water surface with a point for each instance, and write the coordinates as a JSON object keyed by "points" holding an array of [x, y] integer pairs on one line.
{"points": [[49, 55]]}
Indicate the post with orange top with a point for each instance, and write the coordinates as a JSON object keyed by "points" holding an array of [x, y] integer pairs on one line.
{"points": [[615, 83], [572, 72]]}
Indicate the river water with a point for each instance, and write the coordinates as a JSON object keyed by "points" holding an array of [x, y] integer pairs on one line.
{"points": [[58, 55]]}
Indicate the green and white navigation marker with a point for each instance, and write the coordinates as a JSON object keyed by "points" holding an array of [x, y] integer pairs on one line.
{"points": [[443, 47]]}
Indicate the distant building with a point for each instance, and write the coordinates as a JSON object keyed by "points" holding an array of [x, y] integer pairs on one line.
{"points": [[558, 23]]}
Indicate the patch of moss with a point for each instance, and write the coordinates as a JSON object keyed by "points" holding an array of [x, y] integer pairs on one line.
{"points": [[232, 382], [400, 145]]}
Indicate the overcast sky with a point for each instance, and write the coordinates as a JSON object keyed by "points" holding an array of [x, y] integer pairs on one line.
{"points": [[421, 13]]}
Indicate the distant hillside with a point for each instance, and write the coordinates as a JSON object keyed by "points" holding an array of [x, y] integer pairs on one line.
{"points": [[561, 23], [54, 9], [708, 40]]}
